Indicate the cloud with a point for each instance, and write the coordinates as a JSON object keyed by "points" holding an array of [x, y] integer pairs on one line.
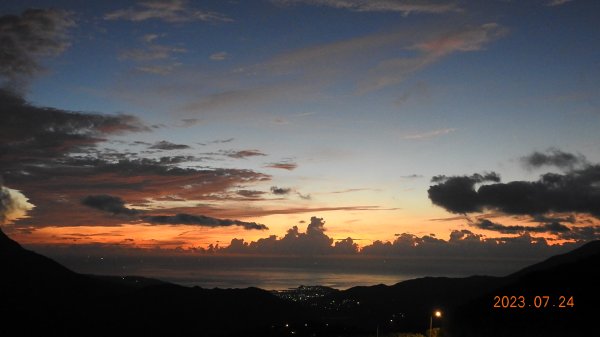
{"points": [[116, 206], [29, 132], [467, 245], [165, 145], [250, 193], [252, 212], [552, 227], [220, 56], [148, 38], [108, 203], [151, 53], [290, 166], [280, 190], [553, 157], [462, 243], [26, 38], [173, 160], [303, 196], [577, 191], [59, 185], [164, 69], [395, 70], [244, 154], [187, 122], [465, 39], [428, 134], [313, 242], [404, 7], [200, 220], [172, 11], [553, 3], [13, 204], [582, 234], [351, 190]]}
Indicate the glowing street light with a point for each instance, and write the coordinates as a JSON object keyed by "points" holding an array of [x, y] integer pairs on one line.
{"points": [[437, 314]]}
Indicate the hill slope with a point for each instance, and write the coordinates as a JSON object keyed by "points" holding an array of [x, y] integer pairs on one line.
{"points": [[41, 297]]}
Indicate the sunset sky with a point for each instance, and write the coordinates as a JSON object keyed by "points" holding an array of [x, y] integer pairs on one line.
{"points": [[377, 127]]}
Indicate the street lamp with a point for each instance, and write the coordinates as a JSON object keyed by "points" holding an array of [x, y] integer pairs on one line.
{"points": [[437, 314]]}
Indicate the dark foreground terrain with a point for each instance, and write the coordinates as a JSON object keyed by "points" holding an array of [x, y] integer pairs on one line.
{"points": [[39, 297]]}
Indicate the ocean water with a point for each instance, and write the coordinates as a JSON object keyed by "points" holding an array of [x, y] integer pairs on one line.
{"points": [[275, 278], [278, 273]]}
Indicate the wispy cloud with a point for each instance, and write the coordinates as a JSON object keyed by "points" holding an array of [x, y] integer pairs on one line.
{"points": [[402, 6], [159, 69], [151, 53], [172, 11], [395, 70], [428, 134], [553, 3], [220, 56]]}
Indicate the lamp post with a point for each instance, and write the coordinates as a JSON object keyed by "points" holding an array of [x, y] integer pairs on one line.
{"points": [[437, 314]]}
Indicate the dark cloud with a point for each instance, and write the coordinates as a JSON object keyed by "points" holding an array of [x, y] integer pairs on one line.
{"points": [[116, 206], [165, 145], [244, 154], [172, 160], [26, 38], [59, 185], [200, 220], [250, 193], [457, 194], [29, 132], [582, 234], [218, 141], [577, 191], [554, 157], [283, 166], [108, 203], [544, 218], [551, 227], [280, 190]]}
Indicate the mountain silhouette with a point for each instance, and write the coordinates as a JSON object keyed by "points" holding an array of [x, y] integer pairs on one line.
{"points": [[41, 297], [468, 303]]}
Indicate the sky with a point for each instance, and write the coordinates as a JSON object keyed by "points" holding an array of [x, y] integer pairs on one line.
{"points": [[340, 129]]}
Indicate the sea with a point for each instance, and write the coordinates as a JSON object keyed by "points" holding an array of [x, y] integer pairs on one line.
{"points": [[280, 273]]}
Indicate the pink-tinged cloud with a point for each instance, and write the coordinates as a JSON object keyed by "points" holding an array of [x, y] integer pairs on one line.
{"points": [[173, 11]]}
